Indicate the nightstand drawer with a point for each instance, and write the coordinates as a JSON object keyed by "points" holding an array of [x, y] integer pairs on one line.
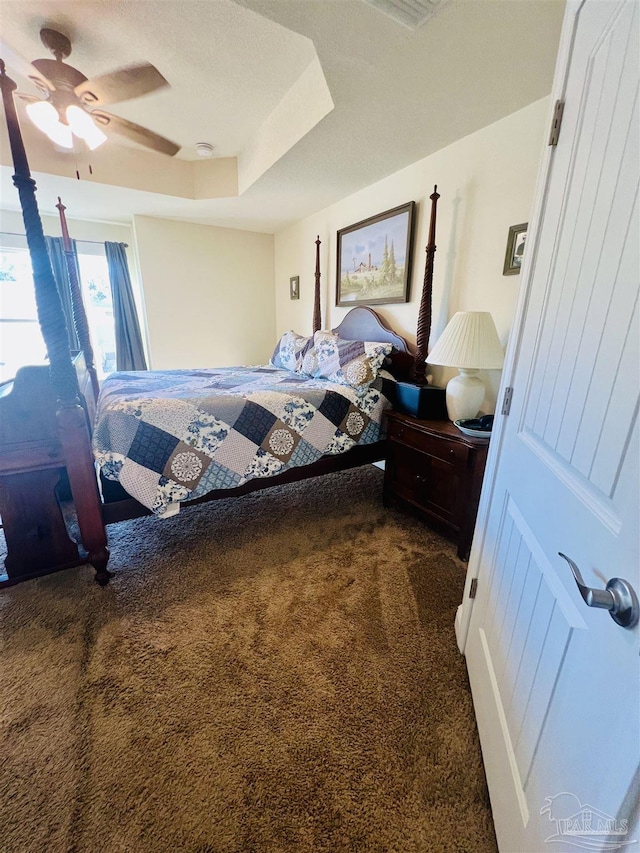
{"points": [[409, 471], [443, 448], [427, 481]]}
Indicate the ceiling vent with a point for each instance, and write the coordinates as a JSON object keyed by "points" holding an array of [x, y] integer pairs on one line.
{"points": [[411, 13]]}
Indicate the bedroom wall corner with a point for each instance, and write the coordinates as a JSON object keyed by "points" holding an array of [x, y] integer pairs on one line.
{"points": [[208, 292], [486, 181]]}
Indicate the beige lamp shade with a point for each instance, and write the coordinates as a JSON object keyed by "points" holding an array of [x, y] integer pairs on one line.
{"points": [[470, 342]]}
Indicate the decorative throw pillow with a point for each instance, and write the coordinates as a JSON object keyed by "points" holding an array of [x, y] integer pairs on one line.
{"points": [[309, 361], [353, 363], [290, 351]]}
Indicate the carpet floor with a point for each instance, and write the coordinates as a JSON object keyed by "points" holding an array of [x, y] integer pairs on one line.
{"points": [[271, 674]]}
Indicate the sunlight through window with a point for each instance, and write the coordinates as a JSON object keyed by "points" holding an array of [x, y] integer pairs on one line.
{"points": [[21, 340]]}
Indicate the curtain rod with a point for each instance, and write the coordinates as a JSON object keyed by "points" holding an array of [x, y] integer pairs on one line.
{"points": [[95, 242]]}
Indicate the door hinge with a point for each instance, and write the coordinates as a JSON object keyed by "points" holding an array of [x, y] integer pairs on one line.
{"points": [[506, 401], [473, 588], [556, 123]]}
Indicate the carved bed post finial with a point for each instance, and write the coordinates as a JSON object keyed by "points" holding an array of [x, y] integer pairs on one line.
{"points": [[317, 316], [77, 304], [424, 312]]}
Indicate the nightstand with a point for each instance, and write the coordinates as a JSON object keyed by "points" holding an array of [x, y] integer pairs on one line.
{"points": [[436, 469]]}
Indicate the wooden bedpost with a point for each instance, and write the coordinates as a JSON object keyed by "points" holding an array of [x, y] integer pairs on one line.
{"points": [[317, 316], [77, 303], [50, 314], [424, 312], [73, 433]]}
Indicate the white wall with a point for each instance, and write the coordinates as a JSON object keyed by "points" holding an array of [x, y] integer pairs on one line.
{"points": [[209, 293], [486, 182]]}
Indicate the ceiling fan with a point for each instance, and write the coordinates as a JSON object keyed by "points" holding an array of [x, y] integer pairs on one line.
{"points": [[68, 102]]}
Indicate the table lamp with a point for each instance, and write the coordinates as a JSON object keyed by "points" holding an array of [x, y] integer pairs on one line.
{"points": [[470, 342]]}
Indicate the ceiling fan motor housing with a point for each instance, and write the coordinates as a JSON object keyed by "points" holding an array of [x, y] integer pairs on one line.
{"points": [[62, 76], [56, 42]]}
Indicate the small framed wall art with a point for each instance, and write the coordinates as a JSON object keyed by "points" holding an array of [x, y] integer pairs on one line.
{"points": [[515, 249], [294, 287], [374, 258]]}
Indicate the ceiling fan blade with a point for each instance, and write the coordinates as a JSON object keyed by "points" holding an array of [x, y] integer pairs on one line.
{"points": [[122, 85], [17, 64], [136, 133], [42, 82], [30, 99]]}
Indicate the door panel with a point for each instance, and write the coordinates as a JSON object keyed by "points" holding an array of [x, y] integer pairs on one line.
{"points": [[555, 683], [527, 634]]}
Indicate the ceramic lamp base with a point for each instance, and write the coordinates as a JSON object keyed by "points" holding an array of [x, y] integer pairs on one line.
{"points": [[465, 394]]}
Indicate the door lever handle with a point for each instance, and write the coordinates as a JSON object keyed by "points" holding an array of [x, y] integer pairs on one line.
{"points": [[619, 597]]}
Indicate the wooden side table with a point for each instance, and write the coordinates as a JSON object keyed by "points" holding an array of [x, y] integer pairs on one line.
{"points": [[436, 469]]}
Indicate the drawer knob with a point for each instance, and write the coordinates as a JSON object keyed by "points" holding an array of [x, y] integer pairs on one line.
{"points": [[452, 452], [420, 478]]}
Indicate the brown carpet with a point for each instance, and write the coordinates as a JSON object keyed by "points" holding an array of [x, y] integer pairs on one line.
{"points": [[270, 674]]}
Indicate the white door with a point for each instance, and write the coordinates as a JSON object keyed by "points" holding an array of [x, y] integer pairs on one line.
{"points": [[556, 683]]}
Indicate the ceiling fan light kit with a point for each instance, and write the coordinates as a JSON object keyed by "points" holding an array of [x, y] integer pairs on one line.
{"points": [[83, 126], [45, 117], [68, 96]]}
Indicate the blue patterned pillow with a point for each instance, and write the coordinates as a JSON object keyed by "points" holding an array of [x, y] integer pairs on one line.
{"points": [[290, 352], [352, 363]]}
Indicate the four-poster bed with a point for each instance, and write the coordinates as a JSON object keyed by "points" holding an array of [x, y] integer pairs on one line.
{"points": [[48, 418]]}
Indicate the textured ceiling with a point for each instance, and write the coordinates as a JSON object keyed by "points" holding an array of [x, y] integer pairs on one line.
{"points": [[228, 68], [315, 98]]}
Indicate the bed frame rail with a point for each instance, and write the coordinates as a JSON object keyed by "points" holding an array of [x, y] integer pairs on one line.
{"points": [[120, 507]]}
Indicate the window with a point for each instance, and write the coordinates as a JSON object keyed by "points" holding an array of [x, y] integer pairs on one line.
{"points": [[20, 337], [96, 295]]}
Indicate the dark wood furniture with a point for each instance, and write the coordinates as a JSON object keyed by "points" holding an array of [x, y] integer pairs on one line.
{"points": [[33, 466], [436, 469]]}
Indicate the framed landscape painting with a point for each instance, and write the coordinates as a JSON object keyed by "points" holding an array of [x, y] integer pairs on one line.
{"points": [[374, 258]]}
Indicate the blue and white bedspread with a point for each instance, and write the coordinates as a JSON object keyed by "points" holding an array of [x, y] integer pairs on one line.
{"points": [[171, 436]]}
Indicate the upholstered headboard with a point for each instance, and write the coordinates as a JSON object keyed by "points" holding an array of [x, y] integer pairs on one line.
{"points": [[363, 324]]}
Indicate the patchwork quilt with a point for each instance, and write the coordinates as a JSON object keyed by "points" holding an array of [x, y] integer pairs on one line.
{"points": [[171, 436]]}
